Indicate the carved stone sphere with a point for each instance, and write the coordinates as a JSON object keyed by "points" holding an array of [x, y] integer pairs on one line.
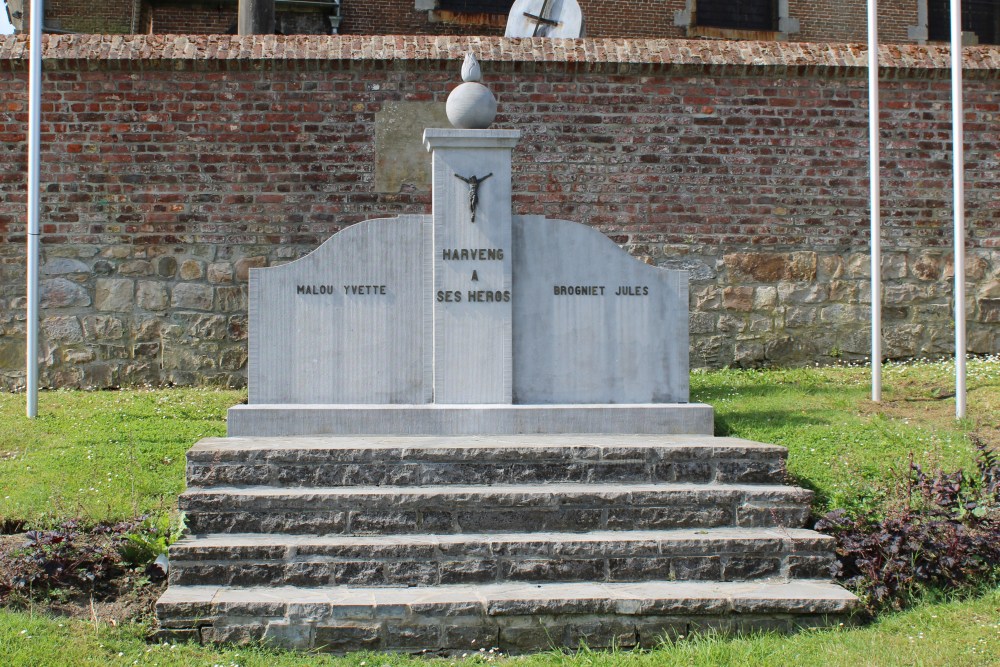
{"points": [[471, 106]]}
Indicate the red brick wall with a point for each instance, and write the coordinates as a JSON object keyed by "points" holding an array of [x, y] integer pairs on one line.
{"points": [[743, 162], [636, 18], [847, 21], [104, 16], [192, 19]]}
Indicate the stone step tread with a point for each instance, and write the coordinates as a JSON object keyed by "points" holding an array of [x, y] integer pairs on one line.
{"points": [[527, 491], [274, 544], [445, 447], [647, 597]]}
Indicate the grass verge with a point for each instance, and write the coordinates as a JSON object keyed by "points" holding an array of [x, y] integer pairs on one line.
{"points": [[947, 634]]}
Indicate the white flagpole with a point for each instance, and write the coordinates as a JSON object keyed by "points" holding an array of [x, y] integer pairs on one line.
{"points": [[34, 167], [958, 169], [875, 194]]}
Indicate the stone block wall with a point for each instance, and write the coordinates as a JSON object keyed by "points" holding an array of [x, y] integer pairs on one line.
{"points": [[173, 165]]}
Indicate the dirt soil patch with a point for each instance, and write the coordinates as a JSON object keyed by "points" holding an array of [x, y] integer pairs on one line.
{"points": [[128, 595]]}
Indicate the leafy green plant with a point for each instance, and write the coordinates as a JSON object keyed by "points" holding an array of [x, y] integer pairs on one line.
{"points": [[150, 538]]}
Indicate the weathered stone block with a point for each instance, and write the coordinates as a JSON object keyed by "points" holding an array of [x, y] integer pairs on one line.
{"points": [[771, 267], [12, 352], [79, 356], [700, 323], [151, 295], [472, 637], [233, 359], [62, 266], [135, 267], [742, 568], [62, 329], [602, 633], [114, 294], [738, 298], [636, 569], [192, 269], [103, 267], [537, 569], [927, 266], [812, 567], [989, 310], [348, 637], [201, 326], [231, 299], [468, 571], [412, 636], [244, 264], [411, 573], [220, 272], [166, 267], [103, 327], [192, 296], [765, 298], [62, 293]]}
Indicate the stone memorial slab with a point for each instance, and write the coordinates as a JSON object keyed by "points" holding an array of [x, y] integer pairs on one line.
{"points": [[593, 325], [470, 320], [348, 323]]}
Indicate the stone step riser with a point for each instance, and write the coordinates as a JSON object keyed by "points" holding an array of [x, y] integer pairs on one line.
{"points": [[537, 621], [492, 509], [512, 636], [315, 468], [515, 519], [310, 570]]}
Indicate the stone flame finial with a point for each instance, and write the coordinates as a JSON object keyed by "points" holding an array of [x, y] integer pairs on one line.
{"points": [[470, 68], [471, 106]]}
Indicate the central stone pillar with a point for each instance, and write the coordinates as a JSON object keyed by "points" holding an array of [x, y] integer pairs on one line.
{"points": [[471, 262]]}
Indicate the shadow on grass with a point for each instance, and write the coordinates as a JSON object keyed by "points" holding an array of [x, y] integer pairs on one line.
{"points": [[708, 393], [728, 423]]}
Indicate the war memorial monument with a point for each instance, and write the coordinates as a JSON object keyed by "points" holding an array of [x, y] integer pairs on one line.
{"points": [[472, 429]]}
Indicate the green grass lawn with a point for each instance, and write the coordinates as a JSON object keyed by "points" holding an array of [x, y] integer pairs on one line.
{"points": [[107, 456], [101, 456]]}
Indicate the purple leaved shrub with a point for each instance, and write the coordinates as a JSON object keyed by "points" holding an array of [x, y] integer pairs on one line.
{"points": [[943, 533]]}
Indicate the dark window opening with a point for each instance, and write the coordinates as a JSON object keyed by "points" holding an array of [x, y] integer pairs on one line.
{"points": [[737, 14], [979, 16], [476, 6]]}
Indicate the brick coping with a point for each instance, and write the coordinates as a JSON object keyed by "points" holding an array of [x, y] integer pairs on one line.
{"points": [[100, 51]]}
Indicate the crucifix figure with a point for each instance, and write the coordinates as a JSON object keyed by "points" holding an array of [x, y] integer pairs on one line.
{"points": [[474, 183]]}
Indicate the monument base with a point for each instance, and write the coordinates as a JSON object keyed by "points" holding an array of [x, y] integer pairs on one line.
{"points": [[437, 419]]}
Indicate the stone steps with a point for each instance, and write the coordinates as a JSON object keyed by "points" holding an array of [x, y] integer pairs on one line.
{"points": [[499, 508], [722, 554], [397, 461], [515, 618], [516, 542]]}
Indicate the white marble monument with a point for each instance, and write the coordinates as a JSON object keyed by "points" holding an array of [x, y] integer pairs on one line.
{"points": [[468, 321]]}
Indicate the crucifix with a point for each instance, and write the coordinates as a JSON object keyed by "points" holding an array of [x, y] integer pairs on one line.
{"points": [[474, 182], [545, 18], [542, 19]]}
